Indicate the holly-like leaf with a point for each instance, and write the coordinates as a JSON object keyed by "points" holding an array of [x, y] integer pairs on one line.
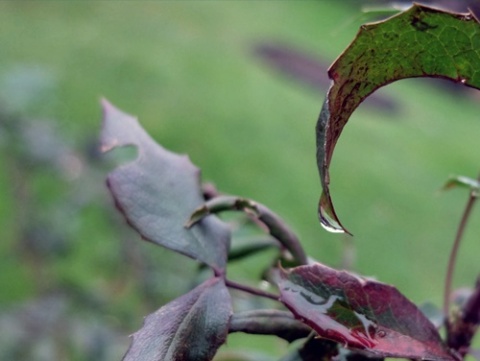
{"points": [[360, 313], [158, 192], [419, 42], [190, 328]]}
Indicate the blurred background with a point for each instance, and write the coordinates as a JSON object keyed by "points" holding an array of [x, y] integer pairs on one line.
{"points": [[238, 86]]}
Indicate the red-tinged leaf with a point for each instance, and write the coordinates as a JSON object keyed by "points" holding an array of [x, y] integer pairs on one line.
{"points": [[158, 192], [360, 313], [190, 328], [419, 42]]}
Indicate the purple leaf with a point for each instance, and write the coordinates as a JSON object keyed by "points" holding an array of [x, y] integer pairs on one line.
{"points": [[360, 313], [190, 328], [159, 190]]}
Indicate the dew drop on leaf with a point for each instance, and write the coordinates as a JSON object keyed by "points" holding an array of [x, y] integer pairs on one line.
{"points": [[328, 219]]}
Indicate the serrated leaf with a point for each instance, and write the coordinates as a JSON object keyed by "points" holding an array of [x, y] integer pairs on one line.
{"points": [[419, 42], [360, 313], [159, 190], [190, 328]]}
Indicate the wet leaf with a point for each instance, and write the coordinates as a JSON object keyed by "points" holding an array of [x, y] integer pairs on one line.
{"points": [[420, 42], [159, 190], [190, 328], [360, 313]]}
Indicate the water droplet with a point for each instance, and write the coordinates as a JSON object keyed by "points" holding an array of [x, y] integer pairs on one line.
{"points": [[381, 334], [328, 219], [463, 80], [369, 326], [317, 300]]}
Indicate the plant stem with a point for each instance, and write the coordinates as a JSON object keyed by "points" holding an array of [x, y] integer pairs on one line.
{"points": [[464, 327], [276, 226], [251, 290], [269, 322], [453, 254]]}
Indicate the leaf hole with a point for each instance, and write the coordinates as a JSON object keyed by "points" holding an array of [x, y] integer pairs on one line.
{"points": [[121, 155]]}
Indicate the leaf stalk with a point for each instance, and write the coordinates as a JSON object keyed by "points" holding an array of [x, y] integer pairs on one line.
{"points": [[251, 290], [473, 196]]}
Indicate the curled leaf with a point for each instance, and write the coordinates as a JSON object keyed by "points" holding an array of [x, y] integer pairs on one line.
{"points": [[190, 328], [159, 190], [360, 313], [419, 42]]}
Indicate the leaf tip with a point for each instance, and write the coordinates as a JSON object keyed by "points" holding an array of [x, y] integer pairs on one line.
{"points": [[328, 217]]}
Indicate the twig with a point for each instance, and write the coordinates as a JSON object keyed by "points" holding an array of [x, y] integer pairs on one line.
{"points": [[251, 290], [276, 226], [269, 322]]}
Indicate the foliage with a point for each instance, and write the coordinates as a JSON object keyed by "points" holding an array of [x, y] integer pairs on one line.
{"points": [[160, 195]]}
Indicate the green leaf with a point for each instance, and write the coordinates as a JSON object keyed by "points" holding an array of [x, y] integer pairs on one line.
{"points": [[158, 192], [360, 313], [419, 42], [464, 182], [190, 328]]}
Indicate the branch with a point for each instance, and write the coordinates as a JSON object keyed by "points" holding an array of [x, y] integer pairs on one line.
{"points": [[453, 254], [269, 322], [251, 290], [276, 226]]}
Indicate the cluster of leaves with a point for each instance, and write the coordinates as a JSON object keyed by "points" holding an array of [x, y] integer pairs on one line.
{"points": [[338, 313]]}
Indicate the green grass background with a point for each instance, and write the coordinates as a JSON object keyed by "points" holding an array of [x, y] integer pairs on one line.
{"points": [[187, 70]]}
